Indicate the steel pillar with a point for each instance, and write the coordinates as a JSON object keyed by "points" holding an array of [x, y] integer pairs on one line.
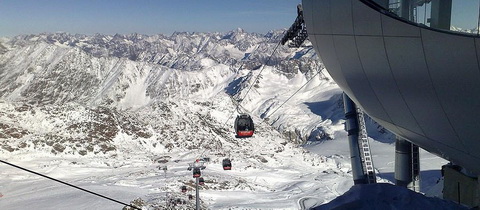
{"points": [[407, 164], [403, 160], [197, 195], [406, 9], [351, 126], [441, 14]]}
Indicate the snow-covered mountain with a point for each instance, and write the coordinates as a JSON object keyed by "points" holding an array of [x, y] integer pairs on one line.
{"points": [[149, 98], [468, 31], [128, 72], [106, 112]]}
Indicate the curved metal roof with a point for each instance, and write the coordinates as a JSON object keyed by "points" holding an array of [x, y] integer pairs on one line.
{"points": [[420, 83]]}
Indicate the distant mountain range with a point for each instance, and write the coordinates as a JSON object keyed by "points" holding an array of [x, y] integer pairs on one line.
{"points": [[128, 101], [77, 93]]}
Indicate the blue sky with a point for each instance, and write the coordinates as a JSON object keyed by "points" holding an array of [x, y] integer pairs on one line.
{"points": [[143, 16]]}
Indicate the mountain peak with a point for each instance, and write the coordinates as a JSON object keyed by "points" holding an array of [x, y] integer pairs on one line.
{"points": [[239, 30]]}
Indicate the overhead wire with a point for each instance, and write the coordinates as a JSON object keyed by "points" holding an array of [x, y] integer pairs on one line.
{"points": [[237, 103], [238, 69], [256, 79], [318, 72], [71, 185]]}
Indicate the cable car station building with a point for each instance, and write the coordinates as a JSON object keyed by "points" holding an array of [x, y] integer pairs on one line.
{"points": [[414, 67]]}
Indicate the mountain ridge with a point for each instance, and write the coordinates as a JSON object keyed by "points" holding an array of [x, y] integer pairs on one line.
{"points": [[42, 69], [138, 103]]}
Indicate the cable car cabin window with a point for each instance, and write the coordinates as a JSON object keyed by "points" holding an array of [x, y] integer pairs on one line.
{"points": [[244, 126]]}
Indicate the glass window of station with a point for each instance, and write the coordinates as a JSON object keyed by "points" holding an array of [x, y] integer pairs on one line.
{"points": [[454, 15]]}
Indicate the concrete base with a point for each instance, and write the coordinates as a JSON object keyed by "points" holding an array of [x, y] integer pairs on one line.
{"points": [[460, 188]]}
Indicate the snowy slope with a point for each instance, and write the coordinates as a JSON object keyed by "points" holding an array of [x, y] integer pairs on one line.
{"points": [[106, 112], [265, 166]]}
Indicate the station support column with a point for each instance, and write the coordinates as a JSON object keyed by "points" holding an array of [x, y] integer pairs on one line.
{"points": [[351, 126], [407, 164]]}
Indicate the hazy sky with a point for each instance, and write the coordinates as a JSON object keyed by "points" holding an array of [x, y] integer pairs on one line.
{"points": [[143, 16]]}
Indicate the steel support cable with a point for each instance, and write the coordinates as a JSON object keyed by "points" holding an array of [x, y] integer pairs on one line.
{"points": [[263, 67], [318, 72], [256, 79], [243, 63], [71, 185], [215, 130], [254, 50], [258, 46], [233, 97]]}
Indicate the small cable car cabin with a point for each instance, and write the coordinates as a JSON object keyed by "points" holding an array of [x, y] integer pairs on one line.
{"points": [[196, 172], [184, 189], [244, 126], [201, 181], [227, 164]]}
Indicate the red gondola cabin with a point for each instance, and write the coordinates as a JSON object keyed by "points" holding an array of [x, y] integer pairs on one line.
{"points": [[244, 126], [227, 164], [196, 172]]}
